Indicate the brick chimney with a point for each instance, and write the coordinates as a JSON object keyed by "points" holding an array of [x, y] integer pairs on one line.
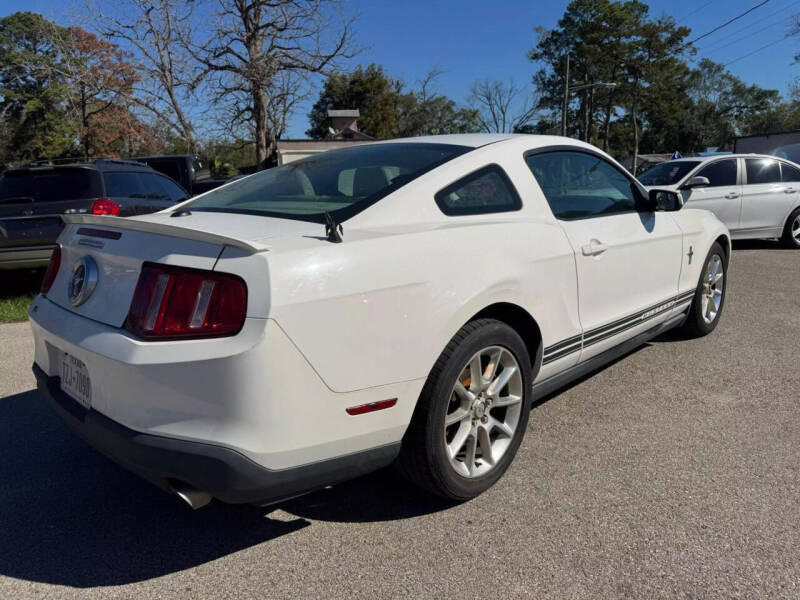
{"points": [[342, 120]]}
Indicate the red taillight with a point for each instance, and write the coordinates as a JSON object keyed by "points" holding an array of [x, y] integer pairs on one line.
{"points": [[105, 206], [52, 270], [177, 303]]}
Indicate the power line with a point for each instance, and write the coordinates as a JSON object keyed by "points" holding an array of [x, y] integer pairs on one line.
{"points": [[746, 37], [728, 22], [695, 11], [752, 24], [756, 51]]}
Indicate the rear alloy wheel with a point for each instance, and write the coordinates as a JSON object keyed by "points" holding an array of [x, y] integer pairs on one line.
{"points": [[483, 413], [709, 298], [472, 413], [791, 234]]}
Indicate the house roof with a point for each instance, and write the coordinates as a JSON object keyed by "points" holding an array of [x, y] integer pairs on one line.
{"points": [[343, 113]]}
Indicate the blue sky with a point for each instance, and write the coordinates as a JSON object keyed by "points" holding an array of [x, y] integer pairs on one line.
{"points": [[472, 39]]}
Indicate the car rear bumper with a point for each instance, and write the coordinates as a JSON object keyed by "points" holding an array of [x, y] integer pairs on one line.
{"points": [[222, 472], [25, 257]]}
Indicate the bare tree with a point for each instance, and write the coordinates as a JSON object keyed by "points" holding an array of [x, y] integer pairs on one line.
{"points": [[503, 107], [159, 33], [261, 53]]}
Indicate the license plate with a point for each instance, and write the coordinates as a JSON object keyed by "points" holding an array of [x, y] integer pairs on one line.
{"points": [[75, 380]]}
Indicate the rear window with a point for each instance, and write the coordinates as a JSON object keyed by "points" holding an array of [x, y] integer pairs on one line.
{"points": [[667, 173], [51, 185], [170, 168], [340, 182]]}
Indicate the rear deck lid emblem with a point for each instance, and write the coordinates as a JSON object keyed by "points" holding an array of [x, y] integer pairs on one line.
{"points": [[84, 280]]}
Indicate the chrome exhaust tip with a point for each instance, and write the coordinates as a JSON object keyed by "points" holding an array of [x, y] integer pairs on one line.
{"points": [[191, 495]]}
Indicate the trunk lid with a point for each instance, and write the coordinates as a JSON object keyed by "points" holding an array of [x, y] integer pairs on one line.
{"points": [[119, 247]]}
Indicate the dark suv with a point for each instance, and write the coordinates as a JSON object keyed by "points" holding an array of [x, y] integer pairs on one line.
{"points": [[33, 198]]}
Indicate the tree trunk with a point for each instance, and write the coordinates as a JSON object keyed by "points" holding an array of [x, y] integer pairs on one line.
{"points": [[84, 124], [607, 120], [263, 143], [585, 107], [635, 128]]}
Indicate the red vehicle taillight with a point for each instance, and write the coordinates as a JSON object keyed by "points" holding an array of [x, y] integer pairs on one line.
{"points": [[105, 206], [52, 270], [178, 303]]}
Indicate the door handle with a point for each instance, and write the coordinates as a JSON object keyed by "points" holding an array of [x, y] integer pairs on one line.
{"points": [[732, 195], [593, 248], [789, 190]]}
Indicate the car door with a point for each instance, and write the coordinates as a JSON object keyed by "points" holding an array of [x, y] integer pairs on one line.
{"points": [[628, 262], [723, 194], [765, 200]]}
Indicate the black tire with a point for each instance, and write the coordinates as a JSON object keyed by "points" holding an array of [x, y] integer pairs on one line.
{"points": [[696, 325], [788, 239], [423, 459]]}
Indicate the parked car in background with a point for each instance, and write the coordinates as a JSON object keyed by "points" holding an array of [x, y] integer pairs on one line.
{"points": [[34, 198], [756, 196], [244, 346], [187, 169]]}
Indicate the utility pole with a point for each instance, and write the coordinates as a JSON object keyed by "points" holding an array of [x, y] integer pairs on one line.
{"points": [[566, 99]]}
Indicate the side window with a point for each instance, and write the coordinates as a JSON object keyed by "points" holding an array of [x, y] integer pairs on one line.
{"points": [[579, 185], [163, 187], [487, 190], [762, 170], [719, 173], [124, 185], [789, 172]]}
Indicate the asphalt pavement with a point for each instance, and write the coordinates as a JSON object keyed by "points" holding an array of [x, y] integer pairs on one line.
{"points": [[671, 473]]}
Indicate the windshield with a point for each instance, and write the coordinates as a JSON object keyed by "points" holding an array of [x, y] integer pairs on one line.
{"points": [[668, 173], [340, 182]]}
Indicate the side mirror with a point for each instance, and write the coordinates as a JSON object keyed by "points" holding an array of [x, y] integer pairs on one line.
{"points": [[697, 181], [667, 200]]}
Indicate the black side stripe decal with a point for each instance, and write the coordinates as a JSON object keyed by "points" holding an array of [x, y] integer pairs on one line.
{"points": [[599, 334], [563, 344]]}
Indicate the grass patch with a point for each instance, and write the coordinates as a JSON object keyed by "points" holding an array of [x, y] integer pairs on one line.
{"points": [[17, 290]]}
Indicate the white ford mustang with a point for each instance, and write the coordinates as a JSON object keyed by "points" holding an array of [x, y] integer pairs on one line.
{"points": [[400, 302]]}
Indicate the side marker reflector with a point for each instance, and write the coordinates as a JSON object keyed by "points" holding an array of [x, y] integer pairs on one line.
{"points": [[371, 407]]}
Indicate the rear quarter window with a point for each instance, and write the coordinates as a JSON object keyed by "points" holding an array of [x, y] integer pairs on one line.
{"points": [[488, 190]]}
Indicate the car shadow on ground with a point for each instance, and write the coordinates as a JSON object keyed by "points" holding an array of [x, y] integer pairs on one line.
{"points": [[69, 516], [760, 245]]}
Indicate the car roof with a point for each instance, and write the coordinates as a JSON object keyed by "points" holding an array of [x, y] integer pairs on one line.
{"points": [[473, 140], [721, 156], [477, 140], [99, 164]]}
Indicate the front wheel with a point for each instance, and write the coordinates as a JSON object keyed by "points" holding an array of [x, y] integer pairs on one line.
{"points": [[709, 298], [791, 233], [472, 413]]}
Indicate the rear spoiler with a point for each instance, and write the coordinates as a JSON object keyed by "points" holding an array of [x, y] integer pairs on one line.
{"points": [[164, 229]]}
